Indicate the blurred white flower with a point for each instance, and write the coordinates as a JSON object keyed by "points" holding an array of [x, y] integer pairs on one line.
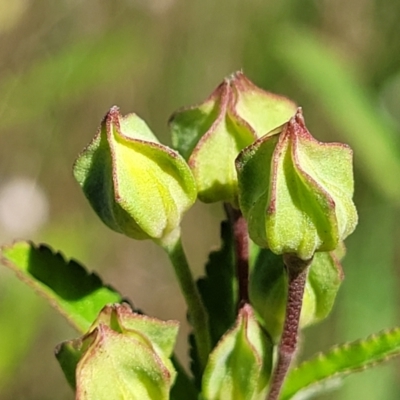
{"points": [[24, 207]]}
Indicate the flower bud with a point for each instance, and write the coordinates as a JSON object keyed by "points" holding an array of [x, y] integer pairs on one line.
{"points": [[268, 289], [296, 192], [124, 345], [211, 135], [137, 186], [240, 365]]}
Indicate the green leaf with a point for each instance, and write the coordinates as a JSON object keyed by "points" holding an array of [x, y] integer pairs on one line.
{"points": [[75, 293], [268, 289], [195, 365], [218, 288], [342, 360], [68, 355], [324, 279], [183, 387]]}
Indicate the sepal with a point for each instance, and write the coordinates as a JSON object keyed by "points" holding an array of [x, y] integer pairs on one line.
{"points": [[296, 192], [240, 365], [136, 185], [211, 135], [124, 355], [268, 289]]}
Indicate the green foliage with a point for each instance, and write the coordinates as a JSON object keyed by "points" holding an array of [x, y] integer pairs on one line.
{"points": [[325, 277], [183, 387], [268, 290], [218, 288], [76, 294], [341, 361], [287, 191]]}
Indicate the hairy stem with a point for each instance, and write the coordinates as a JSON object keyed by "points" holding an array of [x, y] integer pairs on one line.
{"points": [[241, 237], [297, 274], [197, 313]]}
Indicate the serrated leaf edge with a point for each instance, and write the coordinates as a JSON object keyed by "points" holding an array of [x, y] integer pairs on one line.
{"points": [[37, 286], [389, 354]]}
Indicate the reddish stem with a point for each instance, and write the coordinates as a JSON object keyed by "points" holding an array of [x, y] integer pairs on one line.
{"points": [[241, 237], [297, 274]]}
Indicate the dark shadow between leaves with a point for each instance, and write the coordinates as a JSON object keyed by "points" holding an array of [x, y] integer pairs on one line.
{"points": [[69, 280]]}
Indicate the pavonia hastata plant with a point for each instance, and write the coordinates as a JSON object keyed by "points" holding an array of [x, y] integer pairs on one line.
{"points": [[289, 208]]}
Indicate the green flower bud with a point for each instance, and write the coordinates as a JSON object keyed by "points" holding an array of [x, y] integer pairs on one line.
{"points": [[268, 289], [211, 135], [137, 186], [296, 192], [162, 334], [124, 355], [240, 365]]}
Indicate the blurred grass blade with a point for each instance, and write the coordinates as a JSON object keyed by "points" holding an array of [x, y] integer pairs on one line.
{"points": [[351, 109], [342, 360], [67, 75], [75, 293], [19, 324]]}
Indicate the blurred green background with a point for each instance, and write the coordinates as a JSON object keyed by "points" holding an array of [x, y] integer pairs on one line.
{"points": [[64, 63]]}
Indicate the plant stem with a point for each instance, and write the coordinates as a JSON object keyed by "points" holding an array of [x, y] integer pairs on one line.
{"points": [[241, 237], [197, 313], [297, 274]]}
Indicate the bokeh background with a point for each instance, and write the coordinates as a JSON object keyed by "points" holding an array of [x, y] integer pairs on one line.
{"points": [[64, 63]]}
